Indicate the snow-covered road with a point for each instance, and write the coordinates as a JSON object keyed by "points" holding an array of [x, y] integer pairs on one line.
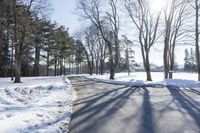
{"points": [[41, 104]]}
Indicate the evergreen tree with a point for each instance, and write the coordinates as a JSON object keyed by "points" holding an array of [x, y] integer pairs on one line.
{"points": [[192, 60], [186, 60], [189, 60]]}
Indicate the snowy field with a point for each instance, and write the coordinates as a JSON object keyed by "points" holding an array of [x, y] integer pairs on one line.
{"points": [[139, 78], [39, 104]]}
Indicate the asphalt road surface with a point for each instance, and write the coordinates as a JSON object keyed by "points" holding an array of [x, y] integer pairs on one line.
{"points": [[108, 108]]}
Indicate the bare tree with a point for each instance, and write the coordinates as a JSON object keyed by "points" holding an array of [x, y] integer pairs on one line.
{"points": [[196, 6], [94, 47], [175, 13], [147, 26], [95, 11]]}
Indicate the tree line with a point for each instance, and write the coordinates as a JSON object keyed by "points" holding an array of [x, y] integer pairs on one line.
{"points": [[177, 23], [30, 44]]}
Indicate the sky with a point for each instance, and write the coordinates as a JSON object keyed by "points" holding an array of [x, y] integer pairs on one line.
{"points": [[64, 13]]}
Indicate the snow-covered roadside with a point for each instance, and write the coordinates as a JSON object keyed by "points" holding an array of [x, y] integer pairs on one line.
{"points": [[38, 105], [138, 79]]}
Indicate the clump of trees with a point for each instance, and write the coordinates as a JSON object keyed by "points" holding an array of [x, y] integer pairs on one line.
{"points": [[104, 16], [190, 60], [30, 44]]}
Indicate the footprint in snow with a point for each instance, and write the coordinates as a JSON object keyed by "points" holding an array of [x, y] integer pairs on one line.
{"points": [[9, 115], [39, 115]]}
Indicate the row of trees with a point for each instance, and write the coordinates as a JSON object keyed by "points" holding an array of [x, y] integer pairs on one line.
{"points": [[106, 23], [30, 43], [96, 52], [170, 26]]}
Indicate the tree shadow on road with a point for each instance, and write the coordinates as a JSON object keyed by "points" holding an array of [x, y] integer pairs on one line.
{"points": [[101, 107], [187, 103], [147, 121], [193, 90]]}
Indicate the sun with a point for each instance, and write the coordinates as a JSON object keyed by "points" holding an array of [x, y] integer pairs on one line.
{"points": [[157, 5]]}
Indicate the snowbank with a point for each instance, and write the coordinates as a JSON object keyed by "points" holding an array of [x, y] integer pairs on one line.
{"points": [[139, 79], [41, 104]]}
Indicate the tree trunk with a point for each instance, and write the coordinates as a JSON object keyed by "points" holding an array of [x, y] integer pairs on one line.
{"points": [[12, 61], [197, 39], [166, 60], [18, 59], [101, 66], [17, 72], [117, 53], [80, 68], [97, 67], [37, 60], [47, 63], [6, 54], [90, 68], [148, 69], [145, 59], [60, 66], [112, 70], [69, 68], [172, 61], [111, 60], [17, 56], [55, 66], [89, 63], [171, 73], [17, 65], [64, 67]]}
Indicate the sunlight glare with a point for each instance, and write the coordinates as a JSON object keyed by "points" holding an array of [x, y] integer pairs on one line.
{"points": [[157, 5]]}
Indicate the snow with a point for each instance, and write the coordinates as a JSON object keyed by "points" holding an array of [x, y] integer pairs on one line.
{"points": [[139, 79], [39, 104]]}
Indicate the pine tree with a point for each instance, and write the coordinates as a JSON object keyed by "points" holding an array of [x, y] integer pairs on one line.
{"points": [[189, 60], [186, 60], [192, 60]]}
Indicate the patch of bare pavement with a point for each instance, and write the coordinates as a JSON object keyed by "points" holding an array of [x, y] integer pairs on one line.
{"points": [[108, 108]]}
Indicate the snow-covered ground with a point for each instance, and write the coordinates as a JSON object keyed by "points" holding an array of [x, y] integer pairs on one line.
{"points": [[139, 78], [39, 104]]}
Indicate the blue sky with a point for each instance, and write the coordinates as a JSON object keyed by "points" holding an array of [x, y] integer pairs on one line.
{"points": [[64, 14]]}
